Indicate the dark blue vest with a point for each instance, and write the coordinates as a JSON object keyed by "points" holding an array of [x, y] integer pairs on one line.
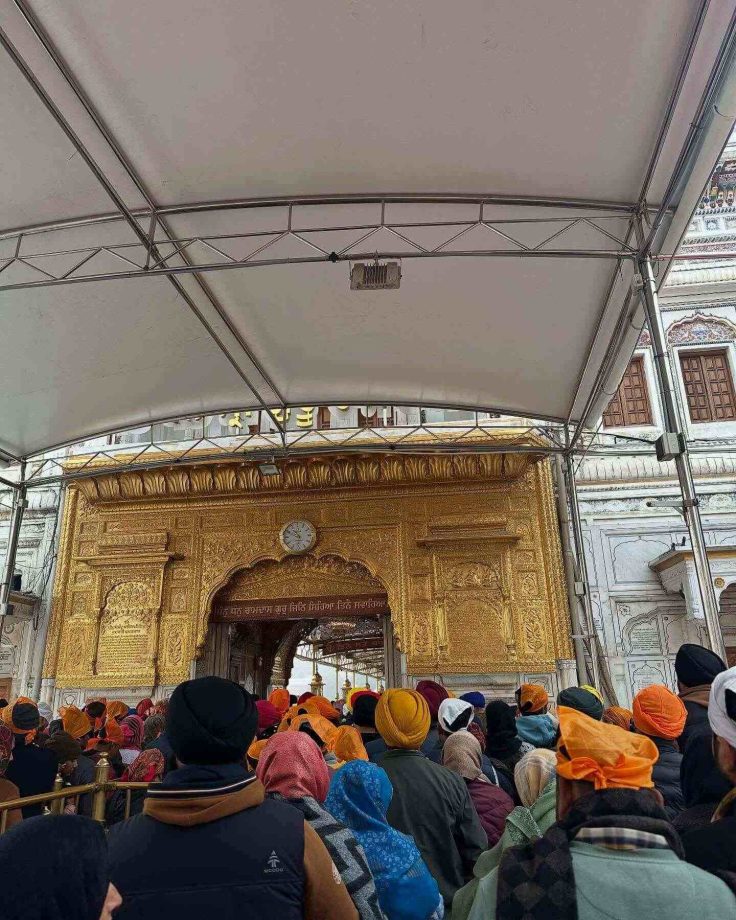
{"points": [[249, 864]]}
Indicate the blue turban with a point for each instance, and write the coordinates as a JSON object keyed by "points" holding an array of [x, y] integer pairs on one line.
{"points": [[475, 698]]}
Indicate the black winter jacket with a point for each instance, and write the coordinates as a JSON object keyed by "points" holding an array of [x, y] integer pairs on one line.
{"points": [[246, 864], [713, 847], [433, 805], [697, 718], [33, 770], [666, 776]]}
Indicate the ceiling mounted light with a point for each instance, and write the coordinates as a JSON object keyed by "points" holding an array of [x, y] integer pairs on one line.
{"points": [[375, 276], [268, 469]]}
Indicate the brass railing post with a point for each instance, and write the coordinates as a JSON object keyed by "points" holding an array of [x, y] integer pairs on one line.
{"points": [[102, 777], [56, 806]]}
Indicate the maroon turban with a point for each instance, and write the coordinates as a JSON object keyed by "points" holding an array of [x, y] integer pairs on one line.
{"points": [[433, 693]]}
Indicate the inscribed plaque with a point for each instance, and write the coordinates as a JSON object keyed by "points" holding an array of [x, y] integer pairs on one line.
{"points": [[124, 642]]}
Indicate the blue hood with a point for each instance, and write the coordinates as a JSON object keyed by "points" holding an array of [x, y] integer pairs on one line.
{"points": [[539, 730]]}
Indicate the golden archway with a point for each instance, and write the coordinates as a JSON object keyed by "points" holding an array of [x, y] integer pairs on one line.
{"points": [[466, 548], [273, 605]]}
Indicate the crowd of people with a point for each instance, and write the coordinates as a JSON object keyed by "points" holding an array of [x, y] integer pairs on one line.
{"points": [[411, 804]]}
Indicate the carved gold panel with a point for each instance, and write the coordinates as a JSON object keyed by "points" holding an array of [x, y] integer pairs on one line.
{"points": [[465, 547]]}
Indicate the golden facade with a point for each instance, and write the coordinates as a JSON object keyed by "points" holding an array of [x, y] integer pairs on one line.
{"points": [[465, 547]]}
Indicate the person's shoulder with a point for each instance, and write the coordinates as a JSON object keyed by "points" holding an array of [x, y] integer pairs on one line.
{"points": [[118, 835], [442, 775], [713, 890]]}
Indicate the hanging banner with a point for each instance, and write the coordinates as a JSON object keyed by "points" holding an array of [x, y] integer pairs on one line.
{"points": [[304, 608]]}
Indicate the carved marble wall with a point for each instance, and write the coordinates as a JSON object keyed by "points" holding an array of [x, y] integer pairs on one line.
{"points": [[466, 548]]}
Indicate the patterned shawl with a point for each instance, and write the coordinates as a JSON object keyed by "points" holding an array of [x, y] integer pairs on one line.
{"points": [[359, 796], [545, 865], [345, 851]]}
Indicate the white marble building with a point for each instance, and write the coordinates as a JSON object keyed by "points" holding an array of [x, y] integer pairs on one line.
{"points": [[643, 586], [24, 632]]}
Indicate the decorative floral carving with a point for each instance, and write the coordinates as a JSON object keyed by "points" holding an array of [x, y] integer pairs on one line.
{"points": [[475, 575], [305, 473], [696, 329]]}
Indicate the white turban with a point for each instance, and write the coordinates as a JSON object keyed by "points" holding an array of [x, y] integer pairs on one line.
{"points": [[722, 706], [454, 715]]}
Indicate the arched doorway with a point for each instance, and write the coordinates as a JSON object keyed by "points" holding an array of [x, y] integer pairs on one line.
{"points": [[728, 622], [265, 614]]}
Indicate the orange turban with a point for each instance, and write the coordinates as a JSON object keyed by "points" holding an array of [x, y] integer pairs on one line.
{"points": [[617, 715], [322, 706], [531, 698], [112, 732], [75, 722], [280, 699], [658, 712], [116, 709], [604, 755], [289, 716], [402, 718], [348, 744], [254, 751], [319, 725]]}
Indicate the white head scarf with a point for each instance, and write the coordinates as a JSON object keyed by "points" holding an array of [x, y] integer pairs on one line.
{"points": [[454, 715], [533, 773], [45, 711], [722, 706]]}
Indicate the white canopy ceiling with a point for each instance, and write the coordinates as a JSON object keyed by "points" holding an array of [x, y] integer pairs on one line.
{"points": [[502, 151]]}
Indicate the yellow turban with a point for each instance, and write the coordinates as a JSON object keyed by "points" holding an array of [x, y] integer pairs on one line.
{"points": [[402, 718], [596, 693], [601, 754], [75, 722]]}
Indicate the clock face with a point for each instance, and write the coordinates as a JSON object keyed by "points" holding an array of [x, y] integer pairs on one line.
{"points": [[298, 536]]}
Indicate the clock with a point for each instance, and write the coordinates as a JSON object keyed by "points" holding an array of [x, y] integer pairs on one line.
{"points": [[298, 537]]}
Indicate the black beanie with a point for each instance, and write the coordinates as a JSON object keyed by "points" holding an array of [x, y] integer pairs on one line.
{"points": [[364, 711], [64, 746], [582, 700], [695, 665], [211, 720], [25, 717]]}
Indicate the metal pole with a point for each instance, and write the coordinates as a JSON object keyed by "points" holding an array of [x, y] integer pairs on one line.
{"points": [[577, 616], [20, 503], [582, 584], [674, 446]]}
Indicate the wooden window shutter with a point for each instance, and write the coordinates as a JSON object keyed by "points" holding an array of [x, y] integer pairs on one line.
{"points": [[630, 405], [708, 386]]}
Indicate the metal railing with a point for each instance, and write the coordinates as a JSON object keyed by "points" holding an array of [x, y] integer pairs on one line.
{"points": [[55, 800]]}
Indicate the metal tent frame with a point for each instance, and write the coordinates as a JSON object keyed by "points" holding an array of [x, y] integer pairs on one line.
{"points": [[156, 250]]}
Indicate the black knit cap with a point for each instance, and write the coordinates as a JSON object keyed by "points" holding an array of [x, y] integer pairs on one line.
{"points": [[211, 720], [582, 700], [64, 746], [364, 711], [695, 665], [25, 717]]}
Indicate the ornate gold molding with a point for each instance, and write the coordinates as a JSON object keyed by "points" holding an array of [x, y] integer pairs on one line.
{"points": [[339, 471], [466, 548]]}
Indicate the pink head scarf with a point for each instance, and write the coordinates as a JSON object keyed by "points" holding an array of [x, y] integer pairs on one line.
{"points": [[292, 765], [134, 726]]}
